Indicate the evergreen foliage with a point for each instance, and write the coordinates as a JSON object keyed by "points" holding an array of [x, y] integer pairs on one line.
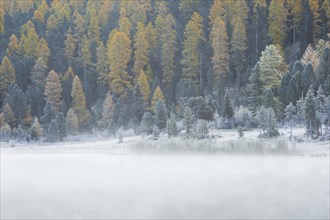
{"points": [[36, 130], [53, 132], [172, 129], [147, 123], [188, 120], [61, 125]]}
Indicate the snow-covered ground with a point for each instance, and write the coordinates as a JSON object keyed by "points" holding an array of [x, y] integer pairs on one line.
{"points": [[105, 179]]}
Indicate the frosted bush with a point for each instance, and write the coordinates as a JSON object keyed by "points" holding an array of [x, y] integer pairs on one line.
{"points": [[243, 117]]}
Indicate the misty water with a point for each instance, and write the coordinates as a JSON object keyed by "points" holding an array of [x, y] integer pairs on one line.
{"points": [[104, 185]]}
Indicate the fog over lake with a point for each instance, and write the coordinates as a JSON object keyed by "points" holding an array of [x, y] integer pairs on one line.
{"points": [[95, 185]]}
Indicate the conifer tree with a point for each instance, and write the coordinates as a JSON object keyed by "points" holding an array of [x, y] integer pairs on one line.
{"points": [[31, 42], [158, 95], [254, 89], [36, 130], [79, 101], [70, 46], [38, 72], [267, 122], [271, 64], [168, 41], [9, 116], [119, 79], [61, 125], [13, 44], [315, 10], [276, 22], [147, 123], [155, 132], [160, 115], [7, 76], [53, 132], [42, 50], [310, 56], [227, 109], [144, 86], [53, 90], [5, 132], [268, 99], [323, 69], [188, 120], [190, 54], [289, 112], [2, 20], [102, 66], [219, 40], [307, 78], [140, 53], [172, 129], [309, 111], [72, 122], [49, 113], [108, 108]]}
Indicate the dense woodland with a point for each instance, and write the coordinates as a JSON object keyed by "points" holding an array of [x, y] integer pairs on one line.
{"points": [[76, 66]]}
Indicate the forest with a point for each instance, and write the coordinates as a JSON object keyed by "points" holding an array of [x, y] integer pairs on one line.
{"points": [[83, 66]]}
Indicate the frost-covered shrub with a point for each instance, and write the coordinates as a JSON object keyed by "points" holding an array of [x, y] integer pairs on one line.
{"points": [[112, 128], [243, 117], [240, 131], [202, 130]]}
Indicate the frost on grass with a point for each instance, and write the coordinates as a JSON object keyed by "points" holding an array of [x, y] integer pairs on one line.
{"points": [[241, 145]]}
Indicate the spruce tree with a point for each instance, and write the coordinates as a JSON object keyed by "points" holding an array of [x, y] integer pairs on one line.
{"points": [[49, 114], [160, 115], [310, 116], [61, 125], [267, 122], [289, 112], [147, 123], [254, 89], [268, 99], [227, 109], [38, 72], [172, 129], [72, 122], [188, 120], [53, 132]]}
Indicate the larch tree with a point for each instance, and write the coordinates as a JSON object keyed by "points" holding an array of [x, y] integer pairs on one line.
{"points": [[38, 72], [36, 130], [142, 81], [13, 44], [140, 52], [53, 90], [52, 23], [310, 56], [315, 9], [238, 48], [70, 46], [79, 101], [119, 53], [158, 95], [277, 22], [168, 50], [31, 42], [42, 50], [2, 20], [219, 41], [271, 65], [7, 76], [125, 25], [190, 54]]}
